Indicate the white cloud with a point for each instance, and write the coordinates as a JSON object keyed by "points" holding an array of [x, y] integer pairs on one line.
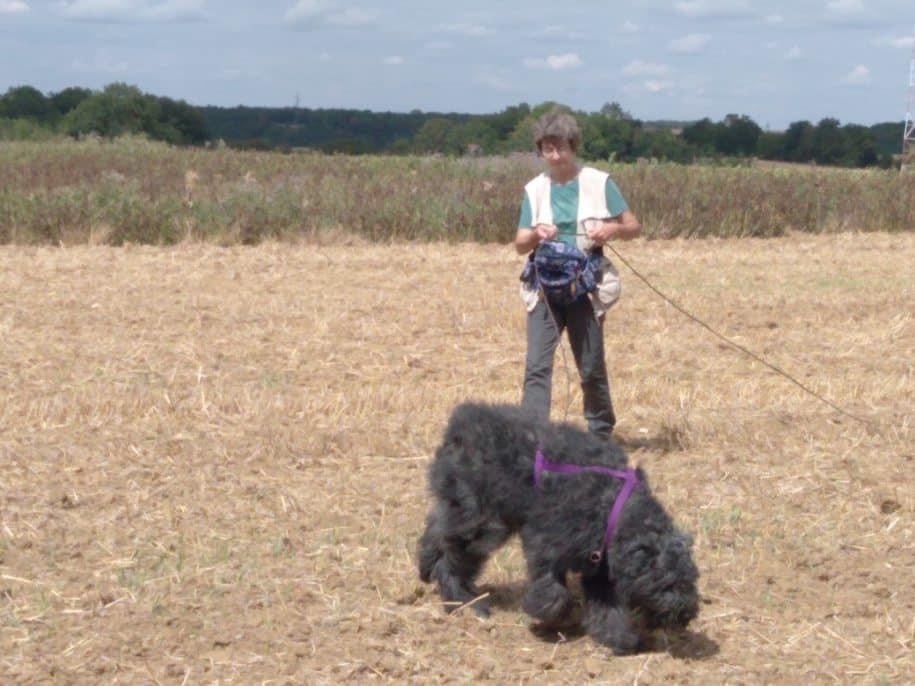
{"points": [[774, 19], [304, 11], [568, 60], [793, 54], [469, 30], [395, 60], [324, 57], [713, 8], [306, 14], [902, 42], [689, 45], [858, 76], [640, 68], [555, 31], [351, 16], [13, 7], [133, 10], [654, 86], [845, 6], [629, 27]]}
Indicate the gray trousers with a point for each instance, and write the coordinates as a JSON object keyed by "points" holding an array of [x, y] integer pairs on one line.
{"points": [[586, 338]]}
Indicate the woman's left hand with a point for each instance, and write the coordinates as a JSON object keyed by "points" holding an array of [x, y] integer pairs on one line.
{"points": [[604, 231], [623, 228]]}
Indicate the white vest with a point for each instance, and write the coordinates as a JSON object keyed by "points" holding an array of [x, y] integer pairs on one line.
{"points": [[592, 201]]}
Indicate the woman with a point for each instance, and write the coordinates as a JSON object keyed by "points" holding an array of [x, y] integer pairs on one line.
{"points": [[580, 206]]}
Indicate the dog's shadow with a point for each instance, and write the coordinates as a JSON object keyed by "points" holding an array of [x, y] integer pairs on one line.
{"points": [[505, 596], [686, 645]]}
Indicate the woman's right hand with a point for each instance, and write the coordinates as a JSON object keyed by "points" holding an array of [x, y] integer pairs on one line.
{"points": [[546, 232]]}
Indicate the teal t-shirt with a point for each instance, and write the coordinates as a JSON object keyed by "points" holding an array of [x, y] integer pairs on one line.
{"points": [[564, 201]]}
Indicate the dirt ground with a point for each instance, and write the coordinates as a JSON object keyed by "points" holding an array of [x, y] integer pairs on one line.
{"points": [[212, 460]]}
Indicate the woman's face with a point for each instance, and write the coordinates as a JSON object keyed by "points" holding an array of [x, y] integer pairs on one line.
{"points": [[558, 155]]}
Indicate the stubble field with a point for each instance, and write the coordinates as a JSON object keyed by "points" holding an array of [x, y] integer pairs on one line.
{"points": [[213, 460]]}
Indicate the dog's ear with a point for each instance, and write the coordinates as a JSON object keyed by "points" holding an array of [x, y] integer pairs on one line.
{"points": [[677, 558], [633, 558]]}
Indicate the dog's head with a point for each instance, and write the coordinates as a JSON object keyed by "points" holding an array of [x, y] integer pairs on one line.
{"points": [[655, 578]]}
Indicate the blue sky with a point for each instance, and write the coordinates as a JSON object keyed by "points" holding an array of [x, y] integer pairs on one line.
{"points": [[778, 61]]}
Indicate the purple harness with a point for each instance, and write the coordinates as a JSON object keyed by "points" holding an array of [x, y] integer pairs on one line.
{"points": [[629, 477]]}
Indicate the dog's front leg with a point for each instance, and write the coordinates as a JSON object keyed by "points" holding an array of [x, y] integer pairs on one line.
{"points": [[429, 548], [549, 601], [607, 622], [547, 598]]}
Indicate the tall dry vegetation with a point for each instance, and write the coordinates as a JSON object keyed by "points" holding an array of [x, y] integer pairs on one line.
{"points": [[139, 192]]}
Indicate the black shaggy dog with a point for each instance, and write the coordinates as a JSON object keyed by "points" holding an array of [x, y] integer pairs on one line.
{"points": [[637, 573]]}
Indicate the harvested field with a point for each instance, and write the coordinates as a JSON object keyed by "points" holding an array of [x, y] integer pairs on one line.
{"points": [[214, 460]]}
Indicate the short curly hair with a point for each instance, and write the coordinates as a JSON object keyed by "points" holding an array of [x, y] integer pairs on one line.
{"points": [[558, 123]]}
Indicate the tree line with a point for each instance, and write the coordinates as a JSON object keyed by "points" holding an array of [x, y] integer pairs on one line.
{"points": [[608, 134], [118, 109]]}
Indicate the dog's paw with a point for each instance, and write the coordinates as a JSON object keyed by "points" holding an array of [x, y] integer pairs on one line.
{"points": [[426, 559], [612, 627], [548, 601]]}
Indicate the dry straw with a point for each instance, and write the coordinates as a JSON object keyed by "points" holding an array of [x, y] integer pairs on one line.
{"points": [[214, 460]]}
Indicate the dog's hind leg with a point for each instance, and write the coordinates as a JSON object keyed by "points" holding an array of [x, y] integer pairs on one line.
{"points": [[463, 547]]}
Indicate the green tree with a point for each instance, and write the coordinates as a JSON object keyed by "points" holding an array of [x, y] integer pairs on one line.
{"points": [[613, 110], [608, 137], [737, 135], [771, 145], [828, 142], [522, 136], [798, 142], [702, 135], [474, 132], [26, 102], [662, 144], [117, 110], [504, 122], [860, 146], [435, 136], [69, 99], [180, 123]]}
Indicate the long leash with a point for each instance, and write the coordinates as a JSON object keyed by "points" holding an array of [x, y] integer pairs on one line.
{"points": [[737, 346], [746, 351]]}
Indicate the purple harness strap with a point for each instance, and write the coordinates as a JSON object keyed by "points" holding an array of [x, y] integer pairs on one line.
{"points": [[629, 477]]}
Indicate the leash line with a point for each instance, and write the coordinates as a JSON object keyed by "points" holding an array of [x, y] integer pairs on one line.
{"points": [[739, 347]]}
